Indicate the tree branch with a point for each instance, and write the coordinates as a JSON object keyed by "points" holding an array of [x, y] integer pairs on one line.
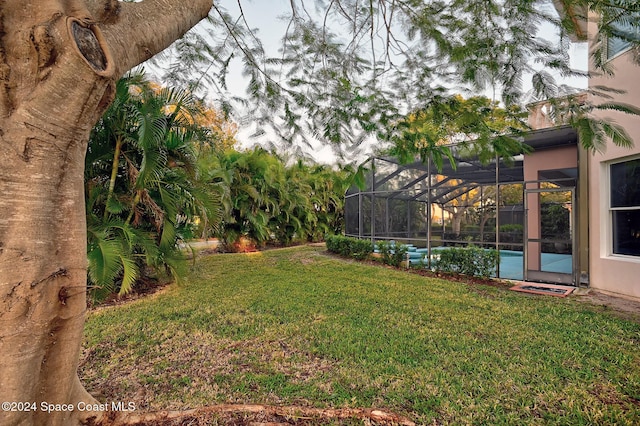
{"points": [[104, 11], [145, 29]]}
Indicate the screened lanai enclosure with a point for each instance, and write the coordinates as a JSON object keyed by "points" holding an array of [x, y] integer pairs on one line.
{"points": [[525, 206]]}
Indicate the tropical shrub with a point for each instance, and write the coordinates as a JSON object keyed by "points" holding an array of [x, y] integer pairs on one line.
{"points": [[267, 201], [391, 253], [252, 194], [339, 244], [349, 247], [143, 193], [473, 261]]}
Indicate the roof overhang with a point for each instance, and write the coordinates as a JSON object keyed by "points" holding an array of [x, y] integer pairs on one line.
{"points": [[552, 137]]}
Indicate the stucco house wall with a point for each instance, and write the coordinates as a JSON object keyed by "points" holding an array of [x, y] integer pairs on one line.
{"points": [[611, 272]]}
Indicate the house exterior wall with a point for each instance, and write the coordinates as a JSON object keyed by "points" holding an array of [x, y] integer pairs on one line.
{"points": [[609, 272]]}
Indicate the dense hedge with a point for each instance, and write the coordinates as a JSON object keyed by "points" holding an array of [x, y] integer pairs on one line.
{"points": [[349, 247], [472, 261], [515, 228]]}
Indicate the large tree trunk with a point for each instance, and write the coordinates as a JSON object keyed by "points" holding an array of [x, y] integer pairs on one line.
{"points": [[59, 61]]}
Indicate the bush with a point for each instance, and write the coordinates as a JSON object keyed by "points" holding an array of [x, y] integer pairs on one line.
{"points": [[472, 261], [349, 247], [361, 249], [384, 249], [335, 243], [391, 253], [512, 227]]}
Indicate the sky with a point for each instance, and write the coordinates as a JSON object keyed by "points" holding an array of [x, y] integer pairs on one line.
{"points": [[266, 17]]}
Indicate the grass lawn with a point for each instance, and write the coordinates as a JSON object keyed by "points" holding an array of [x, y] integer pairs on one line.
{"points": [[299, 327]]}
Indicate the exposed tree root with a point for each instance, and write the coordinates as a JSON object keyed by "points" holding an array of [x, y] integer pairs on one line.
{"points": [[253, 414]]}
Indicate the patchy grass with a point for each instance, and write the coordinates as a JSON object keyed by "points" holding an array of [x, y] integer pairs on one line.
{"points": [[298, 327]]}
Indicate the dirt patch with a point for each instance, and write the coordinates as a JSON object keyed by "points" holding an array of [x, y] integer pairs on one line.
{"points": [[212, 366], [618, 306], [208, 368], [143, 287], [461, 278]]}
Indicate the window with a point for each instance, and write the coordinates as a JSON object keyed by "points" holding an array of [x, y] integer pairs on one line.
{"points": [[623, 30], [625, 207]]}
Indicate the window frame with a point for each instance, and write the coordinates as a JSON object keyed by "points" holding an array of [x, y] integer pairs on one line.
{"points": [[611, 210], [626, 45]]}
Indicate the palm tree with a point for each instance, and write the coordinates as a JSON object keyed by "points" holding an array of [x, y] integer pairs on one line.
{"points": [[249, 200], [266, 200], [297, 216], [143, 186]]}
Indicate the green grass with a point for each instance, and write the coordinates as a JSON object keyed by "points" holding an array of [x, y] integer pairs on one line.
{"points": [[296, 326]]}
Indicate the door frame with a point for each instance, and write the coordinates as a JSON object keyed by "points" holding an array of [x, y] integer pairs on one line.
{"points": [[546, 276]]}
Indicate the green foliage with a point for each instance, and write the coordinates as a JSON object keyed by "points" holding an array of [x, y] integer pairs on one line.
{"points": [[252, 195], [512, 227], [313, 203], [336, 244], [618, 19], [391, 253], [555, 221], [344, 87], [266, 200], [473, 261], [593, 133], [143, 192], [428, 132], [349, 247], [344, 69]]}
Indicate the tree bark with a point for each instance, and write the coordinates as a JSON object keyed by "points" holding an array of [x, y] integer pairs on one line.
{"points": [[59, 61]]}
